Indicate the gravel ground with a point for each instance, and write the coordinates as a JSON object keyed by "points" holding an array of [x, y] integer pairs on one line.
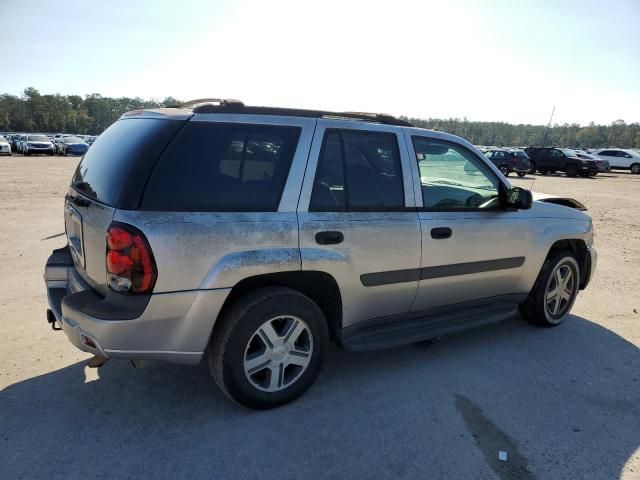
{"points": [[564, 403]]}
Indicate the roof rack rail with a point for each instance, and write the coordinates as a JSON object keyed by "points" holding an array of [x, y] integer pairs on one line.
{"points": [[209, 101], [235, 106]]}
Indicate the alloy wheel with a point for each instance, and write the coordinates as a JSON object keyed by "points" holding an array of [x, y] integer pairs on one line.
{"points": [[278, 353], [560, 291]]}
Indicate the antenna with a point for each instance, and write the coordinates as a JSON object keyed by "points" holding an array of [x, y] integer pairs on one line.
{"points": [[544, 144]]}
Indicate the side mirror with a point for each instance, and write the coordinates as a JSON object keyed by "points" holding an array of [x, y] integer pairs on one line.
{"points": [[519, 199]]}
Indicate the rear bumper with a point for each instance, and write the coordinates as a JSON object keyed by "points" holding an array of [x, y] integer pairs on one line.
{"points": [[174, 327]]}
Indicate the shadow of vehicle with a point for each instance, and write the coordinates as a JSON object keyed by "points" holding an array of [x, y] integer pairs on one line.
{"points": [[567, 397]]}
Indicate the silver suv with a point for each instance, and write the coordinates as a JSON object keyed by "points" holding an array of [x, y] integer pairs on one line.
{"points": [[250, 237]]}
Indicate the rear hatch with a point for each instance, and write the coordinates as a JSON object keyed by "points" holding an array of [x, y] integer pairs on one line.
{"points": [[111, 176]]}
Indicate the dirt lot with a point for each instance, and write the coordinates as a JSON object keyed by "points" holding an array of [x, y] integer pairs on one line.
{"points": [[563, 403]]}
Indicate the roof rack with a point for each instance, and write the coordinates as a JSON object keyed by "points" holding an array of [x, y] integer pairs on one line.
{"points": [[209, 101], [217, 105]]}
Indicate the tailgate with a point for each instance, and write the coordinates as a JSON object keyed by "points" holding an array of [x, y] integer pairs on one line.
{"points": [[86, 224]]}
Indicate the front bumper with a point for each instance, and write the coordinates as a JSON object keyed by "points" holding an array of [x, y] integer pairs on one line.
{"points": [[589, 266], [174, 327]]}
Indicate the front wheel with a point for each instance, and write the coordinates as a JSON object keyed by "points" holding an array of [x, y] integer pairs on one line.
{"points": [[521, 174], [504, 170], [572, 170], [635, 168], [268, 349], [554, 292]]}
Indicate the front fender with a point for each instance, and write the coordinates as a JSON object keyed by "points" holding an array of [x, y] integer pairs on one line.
{"points": [[553, 230]]}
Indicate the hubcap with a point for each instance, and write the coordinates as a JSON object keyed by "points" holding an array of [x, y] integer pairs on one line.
{"points": [[635, 168], [560, 291], [278, 353]]}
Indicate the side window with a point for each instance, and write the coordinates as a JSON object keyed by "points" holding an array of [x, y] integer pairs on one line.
{"points": [[358, 171], [223, 167], [452, 177]]}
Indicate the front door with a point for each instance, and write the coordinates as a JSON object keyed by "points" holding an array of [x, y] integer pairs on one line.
{"points": [[472, 249], [357, 218]]}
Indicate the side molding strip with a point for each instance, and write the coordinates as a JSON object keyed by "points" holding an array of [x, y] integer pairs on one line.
{"points": [[415, 274]]}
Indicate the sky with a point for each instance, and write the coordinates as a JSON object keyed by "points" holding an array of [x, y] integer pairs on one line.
{"points": [[510, 61]]}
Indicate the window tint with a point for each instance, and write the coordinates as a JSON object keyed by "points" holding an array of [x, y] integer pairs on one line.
{"points": [[222, 167], [370, 161], [452, 177], [116, 167]]}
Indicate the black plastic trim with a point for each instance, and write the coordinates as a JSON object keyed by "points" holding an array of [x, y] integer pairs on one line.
{"points": [[415, 274], [114, 306], [396, 330]]}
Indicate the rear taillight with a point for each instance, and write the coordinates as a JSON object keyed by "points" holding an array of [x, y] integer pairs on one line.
{"points": [[130, 264]]}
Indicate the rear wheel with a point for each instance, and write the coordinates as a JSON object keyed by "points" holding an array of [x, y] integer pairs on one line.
{"points": [[268, 349], [572, 170], [532, 168], [635, 168], [504, 170], [554, 292], [521, 174]]}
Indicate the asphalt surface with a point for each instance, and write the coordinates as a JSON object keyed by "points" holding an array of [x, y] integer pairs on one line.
{"points": [[563, 403]]}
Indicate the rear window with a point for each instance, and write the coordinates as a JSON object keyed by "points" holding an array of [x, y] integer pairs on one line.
{"points": [[221, 167], [116, 167]]}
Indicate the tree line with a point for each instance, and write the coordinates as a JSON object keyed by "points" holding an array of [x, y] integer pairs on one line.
{"points": [[92, 114]]}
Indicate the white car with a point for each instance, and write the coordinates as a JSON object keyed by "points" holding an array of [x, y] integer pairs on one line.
{"points": [[622, 159], [5, 146]]}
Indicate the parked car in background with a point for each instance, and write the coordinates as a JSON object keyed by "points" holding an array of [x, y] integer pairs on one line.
{"points": [[72, 145], [90, 139], [37, 145], [621, 159], [550, 160], [5, 146], [602, 164], [509, 160], [250, 238], [21, 142]]}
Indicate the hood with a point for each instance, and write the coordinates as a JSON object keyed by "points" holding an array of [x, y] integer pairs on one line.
{"points": [[558, 200]]}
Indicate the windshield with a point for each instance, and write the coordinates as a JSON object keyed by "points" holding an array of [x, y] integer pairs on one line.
{"points": [[72, 140], [568, 152], [2, 139], [586, 155], [37, 138]]}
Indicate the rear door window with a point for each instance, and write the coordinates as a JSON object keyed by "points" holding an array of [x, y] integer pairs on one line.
{"points": [[116, 167], [358, 171], [222, 167]]}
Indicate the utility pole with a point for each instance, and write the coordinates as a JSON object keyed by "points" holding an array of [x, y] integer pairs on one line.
{"points": [[544, 144]]}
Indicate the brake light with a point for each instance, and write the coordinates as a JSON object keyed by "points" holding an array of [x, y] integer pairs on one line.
{"points": [[131, 267]]}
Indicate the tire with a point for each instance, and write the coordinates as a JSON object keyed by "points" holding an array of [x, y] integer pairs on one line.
{"points": [[536, 309], [571, 170], [504, 170], [532, 167], [552, 171], [243, 328], [26, 153], [521, 174], [543, 171], [635, 168], [593, 174]]}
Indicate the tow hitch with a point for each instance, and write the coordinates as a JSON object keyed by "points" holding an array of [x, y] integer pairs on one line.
{"points": [[51, 318]]}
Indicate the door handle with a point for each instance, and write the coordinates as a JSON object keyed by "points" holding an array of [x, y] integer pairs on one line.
{"points": [[329, 238], [440, 233]]}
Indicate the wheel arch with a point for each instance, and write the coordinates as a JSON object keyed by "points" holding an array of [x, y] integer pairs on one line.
{"points": [[320, 287]]}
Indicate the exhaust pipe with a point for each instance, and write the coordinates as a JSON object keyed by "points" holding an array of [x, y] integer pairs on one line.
{"points": [[97, 361]]}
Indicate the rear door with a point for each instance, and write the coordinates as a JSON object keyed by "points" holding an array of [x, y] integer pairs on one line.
{"points": [[357, 217], [471, 248]]}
